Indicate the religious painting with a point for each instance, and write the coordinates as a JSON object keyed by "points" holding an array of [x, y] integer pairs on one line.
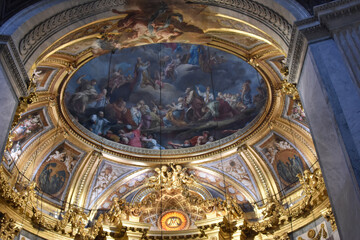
{"points": [[150, 23], [165, 96], [284, 159], [30, 124], [56, 170], [295, 112], [108, 173]]}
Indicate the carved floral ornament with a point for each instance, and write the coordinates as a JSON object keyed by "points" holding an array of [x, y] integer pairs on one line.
{"points": [[74, 221]]}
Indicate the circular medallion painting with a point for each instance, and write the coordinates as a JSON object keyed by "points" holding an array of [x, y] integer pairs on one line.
{"points": [[174, 221], [165, 96], [52, 178]]}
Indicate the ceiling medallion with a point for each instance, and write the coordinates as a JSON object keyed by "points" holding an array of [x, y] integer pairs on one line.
{"points": [[174, 221], [165, 97]]}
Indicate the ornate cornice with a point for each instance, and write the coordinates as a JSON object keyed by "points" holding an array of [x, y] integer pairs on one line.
{"points": [[327, 18], [41, 32], [94, 156], [12, 63], [257, 11]]}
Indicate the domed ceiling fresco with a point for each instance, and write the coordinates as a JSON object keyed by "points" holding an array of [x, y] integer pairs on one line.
{"points": [[166, 116], [165, 96]]}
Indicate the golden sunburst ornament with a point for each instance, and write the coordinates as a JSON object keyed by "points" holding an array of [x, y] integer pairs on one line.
{"points": [[174, 221]]}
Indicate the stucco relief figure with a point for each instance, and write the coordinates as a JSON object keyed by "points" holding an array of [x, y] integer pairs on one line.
{"points": [[234, 168], [173, 178], [107, 175]]}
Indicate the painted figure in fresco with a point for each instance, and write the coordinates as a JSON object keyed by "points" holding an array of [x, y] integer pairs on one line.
{"points": [[186, 105], [290, 169], [16, 152], [98, 124], [116, 80], [200, 140], [145, 114], [84, 94], [151, 143], [186, 144], [176, 114], [119, 113], [51, 180], [142, 74], [246, 97], [194, 53], [26, 127], [155, 117], [298, 113], [207, 95], [136, 114], [195, 103], [159, 77], [134, 137], [225, 110], [65, 157]]}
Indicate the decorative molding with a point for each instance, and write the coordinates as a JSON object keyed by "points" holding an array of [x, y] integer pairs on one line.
{"points": [[94, 156], [295, 134], [38, 150], [327, 19], [257, 11], [248, 154], [38, 35], [13, 65]]}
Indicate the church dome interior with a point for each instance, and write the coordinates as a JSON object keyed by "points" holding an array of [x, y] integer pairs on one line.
{"points": [[161, 120]]}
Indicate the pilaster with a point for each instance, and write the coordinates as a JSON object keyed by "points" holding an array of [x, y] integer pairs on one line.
{"points": [[327, 73], [12, 85]]}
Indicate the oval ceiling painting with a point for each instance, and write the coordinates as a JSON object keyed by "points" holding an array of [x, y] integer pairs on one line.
{"points": [[165, 96]]}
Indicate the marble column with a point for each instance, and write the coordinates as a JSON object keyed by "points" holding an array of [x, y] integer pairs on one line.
{"points": [[329, 89]]}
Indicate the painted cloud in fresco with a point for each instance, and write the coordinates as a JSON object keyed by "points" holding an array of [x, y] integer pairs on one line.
{"points": [[165, 95]]}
